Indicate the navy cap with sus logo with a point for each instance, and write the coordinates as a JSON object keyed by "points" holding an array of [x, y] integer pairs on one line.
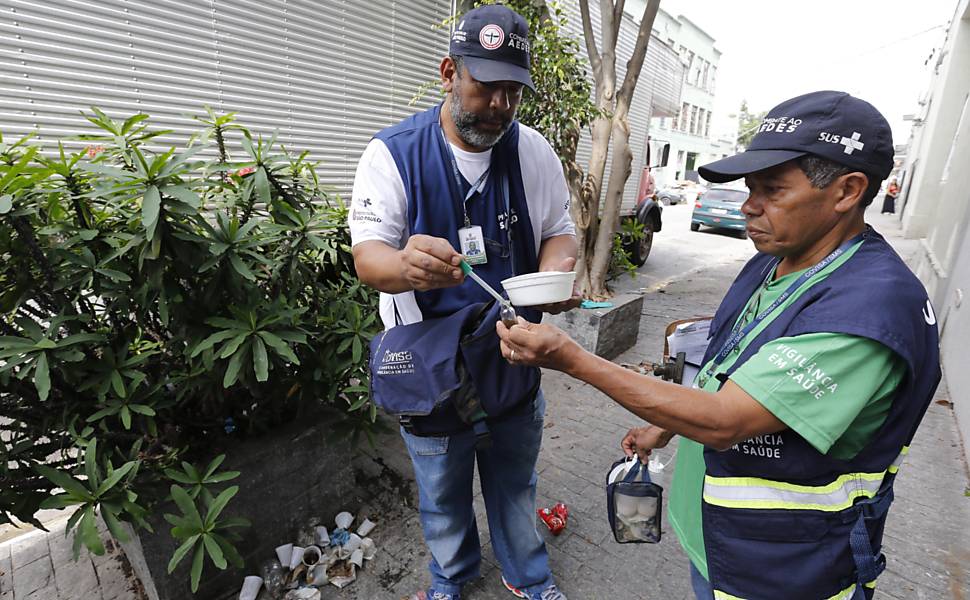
{"points": [[833, 125], [493, 40]]}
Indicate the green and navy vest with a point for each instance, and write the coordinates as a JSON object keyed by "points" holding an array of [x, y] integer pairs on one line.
{"points": [[792, 522]]}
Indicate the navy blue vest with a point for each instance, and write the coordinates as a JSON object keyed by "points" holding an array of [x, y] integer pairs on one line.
{"points": [[435, 208], [770, 533]]}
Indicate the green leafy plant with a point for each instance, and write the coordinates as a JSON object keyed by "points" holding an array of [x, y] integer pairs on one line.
{"points": [[156, 305], [200, 480], [107, 492], [204, 536], [630, 234]]}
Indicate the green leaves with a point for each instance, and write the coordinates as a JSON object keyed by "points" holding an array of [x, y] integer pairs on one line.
{"points": [[203, 536], [32, 352], [150, 208], [105, 491], [201, 480], [154, 303], [254, 340]]}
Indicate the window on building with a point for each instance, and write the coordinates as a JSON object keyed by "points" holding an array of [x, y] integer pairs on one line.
{"points": [[684, 116], [693, 120], [707, 125], [707, 67], [710, 87], [663, 122]]}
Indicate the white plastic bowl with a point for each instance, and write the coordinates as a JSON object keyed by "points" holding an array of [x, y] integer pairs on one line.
{"points": [[546, 287]]}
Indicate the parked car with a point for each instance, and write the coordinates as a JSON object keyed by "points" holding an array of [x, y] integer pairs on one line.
{"points": [[671, 195], [720, 207]]}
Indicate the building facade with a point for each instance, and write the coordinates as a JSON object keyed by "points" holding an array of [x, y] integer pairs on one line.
{"points": [[692, 140], [935, 202]]}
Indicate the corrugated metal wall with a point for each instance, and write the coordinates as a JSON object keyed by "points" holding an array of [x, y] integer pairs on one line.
{"points": [[657, 93], [326, 74]]}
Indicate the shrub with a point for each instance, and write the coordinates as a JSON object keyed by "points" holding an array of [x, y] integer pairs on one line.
{"points": [[153, 305]]}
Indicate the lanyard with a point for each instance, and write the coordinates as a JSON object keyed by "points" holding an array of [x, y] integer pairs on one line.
{"points": [[739, 333], [476, 187]]}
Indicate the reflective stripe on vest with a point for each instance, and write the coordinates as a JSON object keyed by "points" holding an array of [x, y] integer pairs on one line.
{"points": [[845, 594], [754, 492]]}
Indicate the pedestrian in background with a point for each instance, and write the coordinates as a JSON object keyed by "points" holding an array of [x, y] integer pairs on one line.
{"points": [[889, 202]]}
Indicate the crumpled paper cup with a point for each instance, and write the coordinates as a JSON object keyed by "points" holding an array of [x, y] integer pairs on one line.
{"points": [[344, 520], [311, 556], [357, 558], [306, 593], [366, 527], [369, 548], [296, 558], [284, 553], [321, 537], [250, 588], [318, 575]]}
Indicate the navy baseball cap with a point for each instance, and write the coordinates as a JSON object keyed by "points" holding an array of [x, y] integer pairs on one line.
{"points": [[493, 40], [833, 125]]}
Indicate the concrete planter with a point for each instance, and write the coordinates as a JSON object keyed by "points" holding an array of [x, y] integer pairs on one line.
{"points": [[606, 332], [290, 477]]}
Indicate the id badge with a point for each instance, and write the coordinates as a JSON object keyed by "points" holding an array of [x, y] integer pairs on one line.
{"points": [[473, 245]]}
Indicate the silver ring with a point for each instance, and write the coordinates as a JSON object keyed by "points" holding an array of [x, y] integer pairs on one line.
{"points": [[512, 356]]}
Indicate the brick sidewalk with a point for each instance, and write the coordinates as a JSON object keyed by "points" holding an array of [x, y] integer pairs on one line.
{"points": [[40, 566]]}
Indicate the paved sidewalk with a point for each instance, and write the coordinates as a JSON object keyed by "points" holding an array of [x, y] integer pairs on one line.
{"points": [[926, 539], [40, 566]]}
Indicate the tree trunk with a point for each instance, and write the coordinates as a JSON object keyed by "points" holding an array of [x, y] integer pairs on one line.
{"points": [[600, 248], [603, 64]]}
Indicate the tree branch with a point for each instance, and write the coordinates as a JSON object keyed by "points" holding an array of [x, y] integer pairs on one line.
{"points": [[617, 19], [635, 64], [591, 50]]}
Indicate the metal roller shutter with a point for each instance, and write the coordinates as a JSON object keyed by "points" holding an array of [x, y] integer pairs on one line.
{"points": [[325, 74]]}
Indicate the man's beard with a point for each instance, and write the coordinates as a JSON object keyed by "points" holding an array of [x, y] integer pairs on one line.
{"points": [[465, 123]]}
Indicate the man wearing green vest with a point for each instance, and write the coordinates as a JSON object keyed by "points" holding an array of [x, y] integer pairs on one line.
{"points": [[822, 360]]}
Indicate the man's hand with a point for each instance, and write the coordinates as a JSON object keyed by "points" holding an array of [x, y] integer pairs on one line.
{"points": [[567, 264], [429, 263], [538, 345], [642, 440]]}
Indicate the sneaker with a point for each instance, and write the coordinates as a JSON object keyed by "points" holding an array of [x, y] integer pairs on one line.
{"points": [[550, 593]]}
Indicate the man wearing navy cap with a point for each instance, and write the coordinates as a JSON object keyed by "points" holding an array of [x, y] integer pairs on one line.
{"points": [[466, 179], [822, 359]]}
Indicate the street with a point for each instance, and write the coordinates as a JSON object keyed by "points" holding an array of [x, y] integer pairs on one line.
{"points": [[678, 251]]}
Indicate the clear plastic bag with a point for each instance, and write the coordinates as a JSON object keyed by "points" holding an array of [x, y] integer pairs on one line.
{"points": [[634, 503]]}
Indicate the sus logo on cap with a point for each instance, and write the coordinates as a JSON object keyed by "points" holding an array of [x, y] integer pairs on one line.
{"points": [[833, 125], [494, 42]]}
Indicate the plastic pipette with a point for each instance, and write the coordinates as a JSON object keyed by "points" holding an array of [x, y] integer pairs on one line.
{"points": [[507, 313]]}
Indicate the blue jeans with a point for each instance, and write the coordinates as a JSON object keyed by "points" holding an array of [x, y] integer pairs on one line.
{"points": [[443, 468], [702, 587]]}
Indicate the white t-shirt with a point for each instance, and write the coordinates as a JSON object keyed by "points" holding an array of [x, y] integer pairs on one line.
{"points": [[379, 209]]}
